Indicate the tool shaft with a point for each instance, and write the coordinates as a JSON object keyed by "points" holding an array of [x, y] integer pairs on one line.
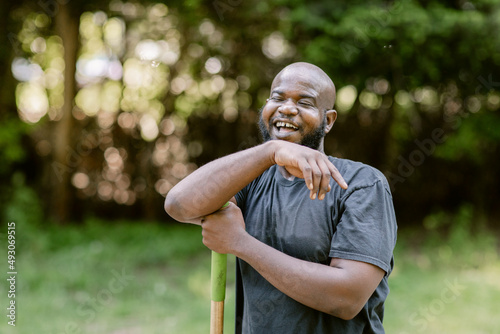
{"points": [[218, 290]]}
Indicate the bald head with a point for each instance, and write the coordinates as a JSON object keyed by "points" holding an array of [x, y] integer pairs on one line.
{"points": [[312, 74]]}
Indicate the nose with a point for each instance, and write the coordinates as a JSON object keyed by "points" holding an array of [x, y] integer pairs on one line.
{"points": [[288, 108]]}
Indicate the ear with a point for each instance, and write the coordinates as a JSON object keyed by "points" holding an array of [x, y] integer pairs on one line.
{"points": [[331, 117]]}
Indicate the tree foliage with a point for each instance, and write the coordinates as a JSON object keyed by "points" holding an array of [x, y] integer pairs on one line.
{"points": [[162, 88]]}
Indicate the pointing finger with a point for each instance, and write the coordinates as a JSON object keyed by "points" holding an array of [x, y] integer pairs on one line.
{"points": [[337, 176]]}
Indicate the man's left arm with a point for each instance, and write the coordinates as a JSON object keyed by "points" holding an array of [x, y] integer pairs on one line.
{"points": [[341, 289]]}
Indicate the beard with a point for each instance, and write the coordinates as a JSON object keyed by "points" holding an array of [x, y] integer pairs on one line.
{"points": [[311, 140]]}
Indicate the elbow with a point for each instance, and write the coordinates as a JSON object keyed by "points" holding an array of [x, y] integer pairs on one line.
{"points": [[346, 312], [182, 208], [172, 206], [349, 313], [347, 308]]}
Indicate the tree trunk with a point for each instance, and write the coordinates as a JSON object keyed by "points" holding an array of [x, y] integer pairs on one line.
{"points": [[64, 159], [12, 46]]}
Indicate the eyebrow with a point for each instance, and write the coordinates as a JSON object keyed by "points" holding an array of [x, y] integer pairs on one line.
{"points": [[305, 96]]}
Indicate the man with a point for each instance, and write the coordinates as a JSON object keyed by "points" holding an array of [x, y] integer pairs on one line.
{"points": [[307, 264]]}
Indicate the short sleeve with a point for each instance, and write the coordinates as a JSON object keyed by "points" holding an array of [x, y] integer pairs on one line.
{"points": [[366, 230], [241, 197]]}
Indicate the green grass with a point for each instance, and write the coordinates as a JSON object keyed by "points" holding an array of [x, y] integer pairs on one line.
{"points": [[441, 285], [67, 283]]}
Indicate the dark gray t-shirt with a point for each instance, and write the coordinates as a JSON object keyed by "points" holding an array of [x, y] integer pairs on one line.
{"points": [[354, 224]]}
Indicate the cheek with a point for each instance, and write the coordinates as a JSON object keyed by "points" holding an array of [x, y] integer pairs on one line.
{"points": [[266, 114], [311, 120]]}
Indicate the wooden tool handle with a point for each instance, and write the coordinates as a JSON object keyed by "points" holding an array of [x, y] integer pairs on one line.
{"points": [[217, 317]]}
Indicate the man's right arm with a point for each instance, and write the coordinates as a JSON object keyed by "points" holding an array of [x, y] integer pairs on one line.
{"points": [[208, 188]]}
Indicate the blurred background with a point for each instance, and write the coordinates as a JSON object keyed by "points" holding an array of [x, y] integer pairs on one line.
{"points": [[106, 105]]}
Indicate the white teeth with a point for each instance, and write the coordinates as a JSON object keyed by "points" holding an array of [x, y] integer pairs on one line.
{"points": [[285, 125]]}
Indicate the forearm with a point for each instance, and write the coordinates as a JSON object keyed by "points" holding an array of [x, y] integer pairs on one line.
{"points": [[316, 285], [212, 185]]}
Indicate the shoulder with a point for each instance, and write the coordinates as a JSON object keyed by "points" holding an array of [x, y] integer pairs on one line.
{"points": [[359, 175]]}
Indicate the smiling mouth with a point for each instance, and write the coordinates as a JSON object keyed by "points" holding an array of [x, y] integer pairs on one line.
{"points": [[285, 126]]}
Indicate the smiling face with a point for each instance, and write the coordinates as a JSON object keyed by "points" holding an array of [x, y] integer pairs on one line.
{"points": [[299, 109]]}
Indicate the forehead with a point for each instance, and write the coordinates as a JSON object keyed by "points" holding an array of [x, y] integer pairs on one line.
{"points": [[300, 81]]}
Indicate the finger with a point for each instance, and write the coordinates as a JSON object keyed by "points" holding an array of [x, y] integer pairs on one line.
{"points": [[317, 177], [306, 170], [325, 180], [337, 176], [320, 177], [312, 177], [204, 236]]}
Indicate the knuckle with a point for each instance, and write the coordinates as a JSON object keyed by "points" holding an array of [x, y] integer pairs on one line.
{"points": [[318, 173], [307, 168]]}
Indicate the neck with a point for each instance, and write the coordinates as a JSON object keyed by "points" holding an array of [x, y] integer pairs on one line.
{"points": [[285, 173], [321, 147]]}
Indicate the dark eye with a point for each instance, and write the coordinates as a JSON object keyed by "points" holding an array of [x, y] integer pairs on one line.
{"points": [[305, 103]]}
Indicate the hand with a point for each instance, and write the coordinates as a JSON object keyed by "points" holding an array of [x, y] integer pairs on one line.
{"points": [[223, 230], [311, 165]]}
